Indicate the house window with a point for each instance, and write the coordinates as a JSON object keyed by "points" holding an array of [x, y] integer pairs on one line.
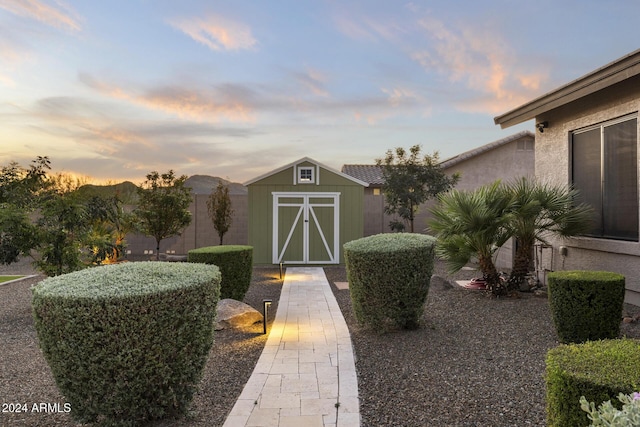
{"points": [[605, 171], [306, 175]]}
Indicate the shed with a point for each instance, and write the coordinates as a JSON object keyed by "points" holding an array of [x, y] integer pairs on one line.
{"points": [[303, 212]]}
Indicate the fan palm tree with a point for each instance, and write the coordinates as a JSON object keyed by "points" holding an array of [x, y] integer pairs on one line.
{"points": [[473, 223], [538, 211]]}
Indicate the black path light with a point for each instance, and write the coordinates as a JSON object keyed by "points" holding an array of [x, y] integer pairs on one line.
{"points": [[266, 303]]}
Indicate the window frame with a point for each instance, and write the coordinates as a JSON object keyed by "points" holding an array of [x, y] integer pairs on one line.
{"points": [[310, 180], [604, 218]]}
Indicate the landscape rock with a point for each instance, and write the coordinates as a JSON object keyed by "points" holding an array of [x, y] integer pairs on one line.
{"points": [[173, 258], [440, 283], [235, 314]]}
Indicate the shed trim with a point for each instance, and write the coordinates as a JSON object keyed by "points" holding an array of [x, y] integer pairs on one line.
{"points": [[310, 160], [307, 208]]}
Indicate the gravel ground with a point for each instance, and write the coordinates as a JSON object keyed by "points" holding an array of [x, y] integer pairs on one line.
{"points": [[25, 377], [475, 361]]}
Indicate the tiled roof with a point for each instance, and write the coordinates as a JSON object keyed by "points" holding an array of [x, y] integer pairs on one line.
{"points": [[367, 173], [483, 149]]}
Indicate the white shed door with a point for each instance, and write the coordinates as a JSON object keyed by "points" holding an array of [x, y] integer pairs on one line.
{"points": [[306, 228]]}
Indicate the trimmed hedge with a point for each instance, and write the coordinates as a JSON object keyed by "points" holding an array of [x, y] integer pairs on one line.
{"points": [[586, 305], [598, 370], [389, 277], [235, 263], [128, 342]]}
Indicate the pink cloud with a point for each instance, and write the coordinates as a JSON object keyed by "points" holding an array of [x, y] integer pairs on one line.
{"points": [[62, 17], [201, 105], [217, 33], [482, 61]]}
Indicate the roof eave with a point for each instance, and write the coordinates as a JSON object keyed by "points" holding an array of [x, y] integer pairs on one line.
{"points": [[305, 159], [615, 72]]}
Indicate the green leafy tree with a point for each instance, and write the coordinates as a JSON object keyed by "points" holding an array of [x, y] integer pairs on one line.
{"points": [[473, 224], [219, 208], [410, 180], [539, 211], [163, 206], [62, 231], [20, 190]]}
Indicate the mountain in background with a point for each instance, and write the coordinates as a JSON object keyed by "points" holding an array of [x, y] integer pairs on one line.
{"points": [[199, 184], [205, 184], [126, 191]]}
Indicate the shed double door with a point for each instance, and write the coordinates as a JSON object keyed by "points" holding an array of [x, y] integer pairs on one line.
{"points": [[306, 228]]}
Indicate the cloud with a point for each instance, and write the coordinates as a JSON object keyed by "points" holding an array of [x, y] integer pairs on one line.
{"points": [[61, 17], [100, 140], [399, 97], [313, 80], [366, 28], [216, 32], [482, 61], [226, 102]]}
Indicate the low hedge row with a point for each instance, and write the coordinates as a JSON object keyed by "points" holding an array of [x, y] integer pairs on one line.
{"points": [[597, 370], [389, 277], [586, 305], [235, 263], [127, 343]]}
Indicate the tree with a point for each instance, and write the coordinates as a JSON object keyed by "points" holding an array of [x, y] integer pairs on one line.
{"points": [[410, 181], [62, 230], [20, 190], [540, 210], [473, 223], [478, 223], [163, 207], [219, 208], [109, 224]]}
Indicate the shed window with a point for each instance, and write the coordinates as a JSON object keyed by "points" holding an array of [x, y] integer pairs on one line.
{"points": [[306, 175], [605, 171]]}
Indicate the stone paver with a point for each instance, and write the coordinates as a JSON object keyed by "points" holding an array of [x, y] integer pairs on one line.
{"points": [[306, 375]]}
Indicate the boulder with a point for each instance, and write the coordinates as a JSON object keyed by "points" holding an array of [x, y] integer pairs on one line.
{"points": [[173, 258], [235, 314]]}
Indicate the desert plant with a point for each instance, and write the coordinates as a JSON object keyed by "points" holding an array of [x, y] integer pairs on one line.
{"points": [[389, 277], [539, 210], [608, 416], [597, 370], [235, 263], [473, 224], [127, 342], [586, 305]]}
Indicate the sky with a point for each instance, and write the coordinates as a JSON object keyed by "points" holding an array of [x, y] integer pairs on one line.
{"points": [[112, 90]]}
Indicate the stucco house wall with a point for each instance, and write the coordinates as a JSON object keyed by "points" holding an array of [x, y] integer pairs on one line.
{"points": [[608, 93], [552, 164]]}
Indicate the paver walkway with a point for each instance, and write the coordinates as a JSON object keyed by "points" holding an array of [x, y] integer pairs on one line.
{"points": [[306, 375]]}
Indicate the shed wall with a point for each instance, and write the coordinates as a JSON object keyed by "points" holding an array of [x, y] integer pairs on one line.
{"points": [[260, 208]]}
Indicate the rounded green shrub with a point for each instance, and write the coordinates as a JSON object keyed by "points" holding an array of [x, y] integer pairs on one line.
{"points": [[389, 277], [235, 263], [597, 370], [586, 305], [127, 343]]}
